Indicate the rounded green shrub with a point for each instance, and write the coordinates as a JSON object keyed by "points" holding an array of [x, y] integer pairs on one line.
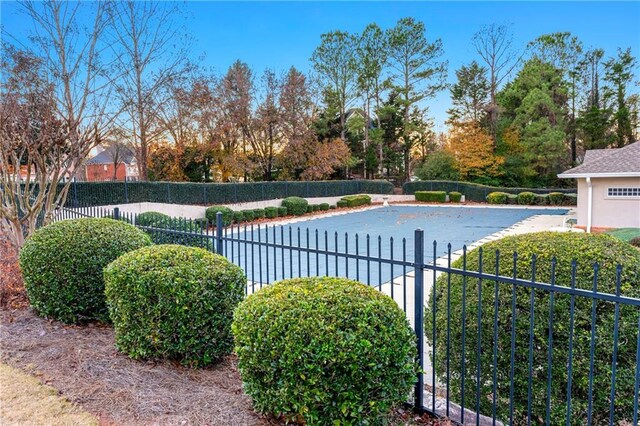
{"points": [[541, 199], [227, 214], [295, 205], [282, 211], [324, 206], [62, 266], [526, 198], [249, 215], [151, 218], [238, 217], [270, 212], [431, 196], [455, 197], [556, 198], [258, 213], [332, 207], [635, 241], [173, 302], [497, 198], [342, 204], [324, 351], [356, 200], [310, 208], [586, 249]]}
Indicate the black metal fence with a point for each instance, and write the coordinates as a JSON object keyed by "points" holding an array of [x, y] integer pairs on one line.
{"points": [[539, 344]]}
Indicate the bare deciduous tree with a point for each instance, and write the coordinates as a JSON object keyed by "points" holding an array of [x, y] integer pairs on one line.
{"points": [[55, 109], [494, 44], [149, 51]]}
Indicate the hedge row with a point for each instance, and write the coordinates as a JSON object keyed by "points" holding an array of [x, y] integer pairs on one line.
{"points": [[530, 199], [472, 191], [106, 193], [431, 196]]}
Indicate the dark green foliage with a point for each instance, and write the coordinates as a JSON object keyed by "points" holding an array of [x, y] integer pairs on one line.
{"points": [[270, 212], [586, 249], [497, 198], [107, 193], [150, 218], [282, 211], [295, 205], [541, 199], [556, 198], [635, 241], [249, 215], [431, 196], [439, 165], [512, 199], [455, 197], [173, 302], [526, 198], [324, 206], [62, 266], [472, 191], [337, 352], [238, 217], [316, 207], [342, 203], [332, 207], [227, 214], [309, 208], [357, 200], [258, 213]]}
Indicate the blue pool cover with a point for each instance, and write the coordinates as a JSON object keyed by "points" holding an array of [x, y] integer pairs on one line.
{"points": [[386, 232]]}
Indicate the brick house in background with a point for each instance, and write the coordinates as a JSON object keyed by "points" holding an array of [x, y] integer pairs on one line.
{"points": [[113, 163], [608, 188]]}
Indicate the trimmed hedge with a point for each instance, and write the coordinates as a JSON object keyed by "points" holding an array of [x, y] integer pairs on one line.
{"points": [[249, 215], [342, 203], [282, 211], [357, 200], [337, 352], [455, 197], [296, 206], [62, 266], [173, 302], [106, 193], [497, 198], [324, 206], [150, 218], [258, 213], [227, 214], [270, 212], [431, 196], [238, 217], [310, 208], [473, 191], [526, 198], [564, 247]]}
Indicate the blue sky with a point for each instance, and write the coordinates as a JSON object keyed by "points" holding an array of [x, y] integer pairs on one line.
{"points": [[281, 34]]}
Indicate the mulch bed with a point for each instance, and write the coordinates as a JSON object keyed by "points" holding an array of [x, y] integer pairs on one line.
{"points": [[12, 293]]}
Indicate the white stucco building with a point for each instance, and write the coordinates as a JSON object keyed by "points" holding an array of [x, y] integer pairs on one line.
{"points": [[608, 188]]}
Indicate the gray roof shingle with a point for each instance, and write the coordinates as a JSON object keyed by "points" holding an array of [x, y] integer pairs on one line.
{"points": [[625, 160], [106, 157]]}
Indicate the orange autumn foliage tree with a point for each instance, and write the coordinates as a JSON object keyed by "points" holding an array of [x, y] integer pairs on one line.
{"points": [[472, 148]]}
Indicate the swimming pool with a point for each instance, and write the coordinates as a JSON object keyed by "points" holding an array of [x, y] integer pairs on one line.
{"points": [[386, 233]]}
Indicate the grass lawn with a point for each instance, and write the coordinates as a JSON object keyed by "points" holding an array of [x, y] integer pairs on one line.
{"points": [[625, 234], [24, 400]]}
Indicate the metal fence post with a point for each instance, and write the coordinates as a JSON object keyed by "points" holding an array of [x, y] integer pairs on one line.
{"points": [[419, 314], [116, 213], [219, 233], [126, 190]]}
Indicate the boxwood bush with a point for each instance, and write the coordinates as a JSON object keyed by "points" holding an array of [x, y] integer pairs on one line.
{"points": [[238, 217], [316, 207], [526, 198], [295, 205], [227, 214], [342, 203], [249, 215], [564, 247], [455, 197], [324, 206], [62, 266], [337, 352], [258, 213], [556, 198], [282, 211], [270, 212], [173, 302], [431, 196], [310, 208], [150, 218], [497, 198], [357, 200], [541, 199]]}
